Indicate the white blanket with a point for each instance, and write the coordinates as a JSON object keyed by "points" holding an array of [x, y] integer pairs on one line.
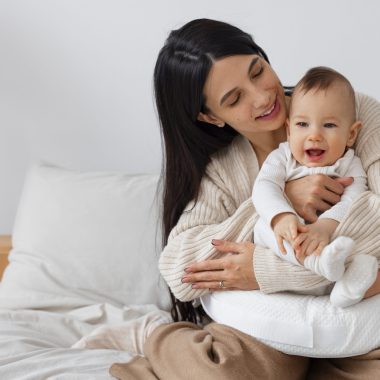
{"points": [[36, 344]]}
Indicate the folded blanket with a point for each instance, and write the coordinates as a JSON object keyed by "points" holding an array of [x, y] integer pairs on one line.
{"points": [[129, 336], [184, 351]]}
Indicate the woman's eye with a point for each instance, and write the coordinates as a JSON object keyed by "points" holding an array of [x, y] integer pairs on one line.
{"points": [[257, 72], [329, 125], [302, 124], [235, 101]]}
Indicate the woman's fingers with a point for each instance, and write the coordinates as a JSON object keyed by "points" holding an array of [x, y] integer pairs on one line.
{"points": [[227, 246], [321, 205], [212, 285], [207, 265], [335, 185], [329, 196], [203, 276]]}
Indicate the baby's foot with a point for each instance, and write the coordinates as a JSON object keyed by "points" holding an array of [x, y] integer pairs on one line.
{"points": [[330, 263], [357, 279]]}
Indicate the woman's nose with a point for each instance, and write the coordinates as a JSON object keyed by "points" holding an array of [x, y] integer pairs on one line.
{"points": [[260, 99]]}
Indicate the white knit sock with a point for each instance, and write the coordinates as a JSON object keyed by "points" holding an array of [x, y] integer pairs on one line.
{"points": [[357, 279], [330, 263]]}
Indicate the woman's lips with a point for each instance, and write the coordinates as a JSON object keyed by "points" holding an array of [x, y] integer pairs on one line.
{"points": [[314, 154], [273, 112]]}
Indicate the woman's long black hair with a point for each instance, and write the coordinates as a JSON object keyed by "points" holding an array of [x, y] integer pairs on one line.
{"points": [[181, 70]]}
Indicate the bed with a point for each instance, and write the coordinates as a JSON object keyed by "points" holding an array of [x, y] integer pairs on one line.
{"points": [[83, 258]]}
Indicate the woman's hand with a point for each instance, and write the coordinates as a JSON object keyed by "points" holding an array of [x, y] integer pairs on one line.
{"points": [[315, 193], [232, 272]]}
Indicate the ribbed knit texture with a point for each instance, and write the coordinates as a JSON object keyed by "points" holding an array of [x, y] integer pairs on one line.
{"points": [[224, 211]]}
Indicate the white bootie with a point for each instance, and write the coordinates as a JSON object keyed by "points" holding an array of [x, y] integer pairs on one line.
{"points": [[330, 263], [357, 279]]}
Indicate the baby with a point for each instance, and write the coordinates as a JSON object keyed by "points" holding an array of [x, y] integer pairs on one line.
{"points": [[321, 129]]}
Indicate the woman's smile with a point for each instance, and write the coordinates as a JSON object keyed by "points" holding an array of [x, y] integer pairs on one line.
{"points": [[272, 112]]}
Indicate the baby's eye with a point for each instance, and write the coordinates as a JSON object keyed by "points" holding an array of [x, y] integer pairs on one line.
{"points": [[329, 125], [302, 124]]}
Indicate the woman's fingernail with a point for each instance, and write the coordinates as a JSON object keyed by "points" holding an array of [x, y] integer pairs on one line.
{"points": [[216, 242], [194, 286], [184, 279], [187, 270]]}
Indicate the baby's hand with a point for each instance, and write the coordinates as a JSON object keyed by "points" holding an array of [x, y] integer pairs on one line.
{"points": [[313, 241], [286, 227]]}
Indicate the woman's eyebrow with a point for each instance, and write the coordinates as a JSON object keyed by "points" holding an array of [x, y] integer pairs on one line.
{"points": [[227, 94], [253, 63]]}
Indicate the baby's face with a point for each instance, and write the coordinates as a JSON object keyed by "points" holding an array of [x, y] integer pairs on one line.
{"points": [[320, 125]]}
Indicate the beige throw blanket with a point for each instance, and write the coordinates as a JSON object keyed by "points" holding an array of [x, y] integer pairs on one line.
{"points": [[184, 351]]}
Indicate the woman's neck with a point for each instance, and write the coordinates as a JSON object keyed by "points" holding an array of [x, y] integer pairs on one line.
{"points": [[264, 143]]}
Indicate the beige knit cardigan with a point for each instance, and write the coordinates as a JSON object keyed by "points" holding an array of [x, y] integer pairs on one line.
{"points": [[224, 211]]}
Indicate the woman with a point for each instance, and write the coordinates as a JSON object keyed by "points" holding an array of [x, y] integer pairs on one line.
{"points": [[222, 111]]}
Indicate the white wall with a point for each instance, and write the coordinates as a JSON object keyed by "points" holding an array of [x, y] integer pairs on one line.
{"points": [[76, 75]]}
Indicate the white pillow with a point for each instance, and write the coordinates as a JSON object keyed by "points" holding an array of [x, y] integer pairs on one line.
{"points": [[82, 238], [298, 324]]}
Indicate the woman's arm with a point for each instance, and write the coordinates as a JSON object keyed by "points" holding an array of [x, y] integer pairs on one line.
{"points": [[223, 211]]}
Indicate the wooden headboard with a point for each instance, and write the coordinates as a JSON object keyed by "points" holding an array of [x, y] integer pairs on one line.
{"points": [[5, 247]]}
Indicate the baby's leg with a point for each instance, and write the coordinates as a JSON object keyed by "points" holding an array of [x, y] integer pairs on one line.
{"points": [[330, 263], [264, 236], [357, 279]]}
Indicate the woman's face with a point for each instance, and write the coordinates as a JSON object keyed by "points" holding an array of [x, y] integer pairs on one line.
{"points": [[244, 92]]}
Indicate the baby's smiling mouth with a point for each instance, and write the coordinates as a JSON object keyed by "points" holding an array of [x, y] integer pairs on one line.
{"points": [[314, 154]]}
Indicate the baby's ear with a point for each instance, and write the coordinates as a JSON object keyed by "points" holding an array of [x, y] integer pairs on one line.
{"points": [[353, 134]]}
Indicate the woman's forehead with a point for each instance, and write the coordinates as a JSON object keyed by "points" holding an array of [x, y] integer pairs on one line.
{"points": [[227, 74]]}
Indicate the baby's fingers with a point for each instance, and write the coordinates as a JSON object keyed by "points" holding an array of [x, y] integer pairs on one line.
{"points": [[280, 243], [320, 248], [298, 241], [311, 248], [302, 228], [293, 230]]}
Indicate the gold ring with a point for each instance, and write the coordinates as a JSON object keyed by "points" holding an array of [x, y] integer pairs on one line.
{"points": [[221, 284]]}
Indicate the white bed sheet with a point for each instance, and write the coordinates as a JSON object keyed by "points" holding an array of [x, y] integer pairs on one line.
{"points": [[35, 344]]}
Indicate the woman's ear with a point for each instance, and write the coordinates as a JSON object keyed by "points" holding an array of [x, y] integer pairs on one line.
{"points": [[210, 119], [353, 134]]}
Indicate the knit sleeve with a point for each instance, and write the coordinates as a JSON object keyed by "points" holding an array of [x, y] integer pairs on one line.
{"points": [[361, 222], [216, 214]]}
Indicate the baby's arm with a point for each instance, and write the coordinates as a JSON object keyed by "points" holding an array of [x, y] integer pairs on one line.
{"points": [[268, 190]]}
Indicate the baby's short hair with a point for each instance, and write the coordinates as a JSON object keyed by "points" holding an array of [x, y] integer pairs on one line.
{"points": [[322, 78]]}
